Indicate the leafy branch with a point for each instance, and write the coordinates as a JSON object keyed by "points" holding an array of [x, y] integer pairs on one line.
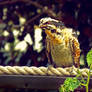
{"points": [[70, 84]]}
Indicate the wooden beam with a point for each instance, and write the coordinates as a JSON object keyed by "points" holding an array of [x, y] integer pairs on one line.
{"points": [[32, 82]]}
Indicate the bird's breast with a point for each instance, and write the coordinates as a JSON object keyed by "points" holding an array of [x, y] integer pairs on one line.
{"points": [[61, 55]]}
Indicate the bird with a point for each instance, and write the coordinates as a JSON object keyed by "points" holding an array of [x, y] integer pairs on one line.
{"points": [[62, 45]]}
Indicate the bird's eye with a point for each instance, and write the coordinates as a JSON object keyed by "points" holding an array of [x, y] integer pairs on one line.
{"points": [[53, 30], [46, 23], [58, 33]]}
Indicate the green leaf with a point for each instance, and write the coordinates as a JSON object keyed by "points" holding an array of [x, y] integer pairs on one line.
{"points": [[61, 89], [70, 84], [89, 57]]}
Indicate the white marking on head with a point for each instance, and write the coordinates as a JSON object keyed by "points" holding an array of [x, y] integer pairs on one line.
{"points": [[46, 19]]}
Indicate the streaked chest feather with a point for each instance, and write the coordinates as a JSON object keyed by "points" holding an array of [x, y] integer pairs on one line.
{"points": [[61, 54]]}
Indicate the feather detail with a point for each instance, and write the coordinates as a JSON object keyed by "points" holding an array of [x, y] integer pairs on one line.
{"points": [[53, 37], [76, 50]]}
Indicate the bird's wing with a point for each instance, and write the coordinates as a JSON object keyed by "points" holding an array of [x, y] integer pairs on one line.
{"points": [[76, 51], [48, 51]]}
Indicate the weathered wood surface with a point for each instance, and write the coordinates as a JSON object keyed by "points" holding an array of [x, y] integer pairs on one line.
{"points": [[32, 82]]}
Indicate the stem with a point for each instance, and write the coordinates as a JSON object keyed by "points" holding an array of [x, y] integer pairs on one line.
{"points": [[83, 84], [63, 88], [81, 77], [87, 85], [88, 79]]}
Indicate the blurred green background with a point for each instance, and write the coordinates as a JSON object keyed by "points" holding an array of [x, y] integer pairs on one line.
{"points": [[22, 42]]}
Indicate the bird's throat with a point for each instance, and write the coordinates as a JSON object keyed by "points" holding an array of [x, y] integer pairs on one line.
{"points": [[52, 37]]}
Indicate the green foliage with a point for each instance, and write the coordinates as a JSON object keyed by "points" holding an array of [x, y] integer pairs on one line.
{"points": [[70, 84], [89, 57]]}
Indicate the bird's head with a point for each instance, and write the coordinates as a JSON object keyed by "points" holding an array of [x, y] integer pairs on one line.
{"points": [[52, 28], [51, 25]]}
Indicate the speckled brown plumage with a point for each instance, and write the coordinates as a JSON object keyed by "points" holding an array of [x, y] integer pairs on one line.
{"points": [[62, 46]]}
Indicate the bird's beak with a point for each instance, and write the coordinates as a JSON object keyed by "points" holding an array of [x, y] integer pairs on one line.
{"points": [[48, 33], [42, 26]]}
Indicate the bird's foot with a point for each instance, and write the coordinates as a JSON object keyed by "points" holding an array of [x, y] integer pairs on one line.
{"points": [[49, 70], [73, 71]]}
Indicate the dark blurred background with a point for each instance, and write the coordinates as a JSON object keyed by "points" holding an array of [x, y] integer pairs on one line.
{"points": [[22, 42]]}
